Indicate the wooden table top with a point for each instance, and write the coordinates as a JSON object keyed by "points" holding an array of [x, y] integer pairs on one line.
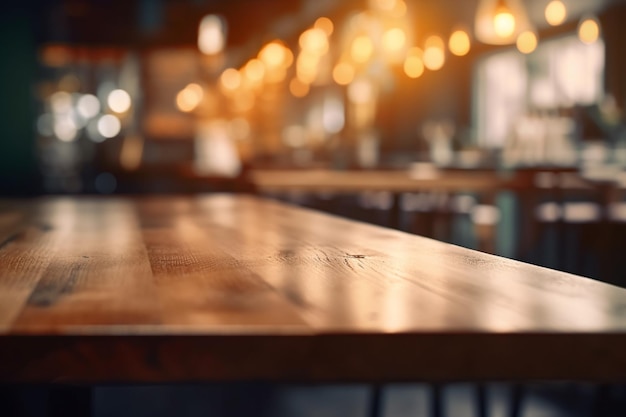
{"points": [[377, 180], [429, 179], [220, 287]]}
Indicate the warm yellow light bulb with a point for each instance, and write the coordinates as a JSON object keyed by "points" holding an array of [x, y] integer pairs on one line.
{"points": [[361, 49], [343, 73], [273, 54], [324, 24], [254, 70], [394, 40], [434, 55], [298, 88], [459, 43], [314, 40], [555, 12], [230, 79], [589, 31], [504, 23], [526, 42], [414, 65]]}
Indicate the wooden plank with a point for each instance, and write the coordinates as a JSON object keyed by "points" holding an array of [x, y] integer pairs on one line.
{"points": [[391, 181], [201, 285], [97, 272], [26, 242]]}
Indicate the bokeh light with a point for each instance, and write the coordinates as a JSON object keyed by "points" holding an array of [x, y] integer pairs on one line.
{"points": [[306, 67], [211, 35], [64, 128], [504, 23], [555, 12], [298, 88], [314, 40], [61, 102], [527, 42], [189, 98], [109, 126], [88, 106], [383, 5], [230, 79], [459, 43], [434, 54], [273, 55], [394, 40], [361, 49], [254, 70], [325, 24], [361, 91], [414, 65], [589, 30], [119, 101], [343, 73]]}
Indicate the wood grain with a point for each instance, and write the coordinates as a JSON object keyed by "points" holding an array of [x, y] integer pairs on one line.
{"points": [[221, 287]]}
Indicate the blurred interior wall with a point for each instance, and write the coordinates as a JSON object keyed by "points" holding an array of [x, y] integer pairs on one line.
{"points": [[18, 165], [612, 22]]}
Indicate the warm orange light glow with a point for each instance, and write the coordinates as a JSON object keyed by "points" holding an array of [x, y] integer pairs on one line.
{"points": [[314, 40], [434, 55], [230, 79], [399, 9], [385, 5], [132, 151], [273, 54], [243, 100], [343, 73], [589, 31], [555, 12], [298, 88], [211, 36], [288, 57], [459, 43], [394, 40], [504, 23], [526, 42], [361, 49], [55, 55], [414, 65], [276, 75], [361, 91], [189, 98], [306, 67], [254, 70], [325, 24]]}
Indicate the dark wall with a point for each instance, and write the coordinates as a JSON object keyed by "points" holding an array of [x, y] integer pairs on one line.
{"points": [[18, 167]]}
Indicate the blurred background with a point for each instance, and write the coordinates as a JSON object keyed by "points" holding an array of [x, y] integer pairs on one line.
{"points": [[494, 124]]}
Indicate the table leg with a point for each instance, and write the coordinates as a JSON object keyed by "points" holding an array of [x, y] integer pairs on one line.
{"points": [[436, 404], [600, 407], [70, 401], [395, 214], [517, 393], [376, 401], [481, 400]]}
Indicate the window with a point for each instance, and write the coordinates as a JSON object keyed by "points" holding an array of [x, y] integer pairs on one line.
{"points": [[559, 74]]}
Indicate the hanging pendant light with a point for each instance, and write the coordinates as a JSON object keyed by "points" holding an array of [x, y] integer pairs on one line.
{"points": [[555, 12], [499, 22]]}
